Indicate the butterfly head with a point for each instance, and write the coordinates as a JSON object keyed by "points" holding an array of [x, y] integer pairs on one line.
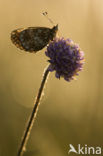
{"points": [[55, 28], [54, 31]]}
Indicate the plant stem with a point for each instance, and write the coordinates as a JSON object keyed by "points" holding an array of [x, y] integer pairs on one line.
{"points": [[33, 114]]}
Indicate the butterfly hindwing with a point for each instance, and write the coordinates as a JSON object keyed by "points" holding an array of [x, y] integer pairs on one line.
{"points": [[32, 39], [15, 38]]}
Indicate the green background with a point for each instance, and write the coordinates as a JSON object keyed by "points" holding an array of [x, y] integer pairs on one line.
{"points": [[70, 113]]}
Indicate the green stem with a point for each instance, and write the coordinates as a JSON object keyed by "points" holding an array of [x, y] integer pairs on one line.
{"points": [[33, 114]]}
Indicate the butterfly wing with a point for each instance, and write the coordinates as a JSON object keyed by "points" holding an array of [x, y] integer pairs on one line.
{"points": [[31, 39], [15, 38]]}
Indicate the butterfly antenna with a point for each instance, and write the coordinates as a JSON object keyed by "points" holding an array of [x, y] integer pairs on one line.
{"points": [[46, 15]]}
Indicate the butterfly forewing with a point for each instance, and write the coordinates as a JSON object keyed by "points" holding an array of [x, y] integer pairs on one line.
{"points": [[33, 39]]}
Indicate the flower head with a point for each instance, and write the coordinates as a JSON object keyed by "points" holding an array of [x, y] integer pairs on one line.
{"points": [[66, 58]]}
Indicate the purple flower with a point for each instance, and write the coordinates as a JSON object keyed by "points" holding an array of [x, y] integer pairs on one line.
{"points": [[66, 58]]}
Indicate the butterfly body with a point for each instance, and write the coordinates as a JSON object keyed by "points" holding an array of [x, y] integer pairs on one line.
{"points": [[33, 39]]}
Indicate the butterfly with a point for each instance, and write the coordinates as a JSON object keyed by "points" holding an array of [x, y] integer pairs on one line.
{"points": [[33, 39]]}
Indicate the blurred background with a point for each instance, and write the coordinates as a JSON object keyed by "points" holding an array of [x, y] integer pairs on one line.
{"points": [[70, 113]]}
